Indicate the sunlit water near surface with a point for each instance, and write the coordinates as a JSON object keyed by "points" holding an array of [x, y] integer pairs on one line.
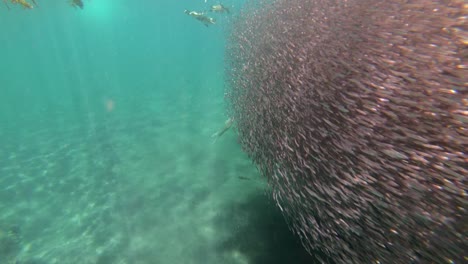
{"points": [[106, 117]]}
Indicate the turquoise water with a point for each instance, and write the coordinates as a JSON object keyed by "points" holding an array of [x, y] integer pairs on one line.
{"points": [[106, 155]]}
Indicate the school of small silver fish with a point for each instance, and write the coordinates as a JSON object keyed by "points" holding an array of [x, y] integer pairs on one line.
{"points": [[357, 114]]}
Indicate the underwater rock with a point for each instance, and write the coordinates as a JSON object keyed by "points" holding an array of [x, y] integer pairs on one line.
{"points": [[356, 111]]}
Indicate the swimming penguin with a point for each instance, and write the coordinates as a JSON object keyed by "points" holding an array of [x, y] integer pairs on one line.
{"points": [[77, 3], [219, 9], [227, 125], [200, 16]]}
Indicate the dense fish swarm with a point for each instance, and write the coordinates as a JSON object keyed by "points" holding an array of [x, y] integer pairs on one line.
{"points": [[356, 111]]}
